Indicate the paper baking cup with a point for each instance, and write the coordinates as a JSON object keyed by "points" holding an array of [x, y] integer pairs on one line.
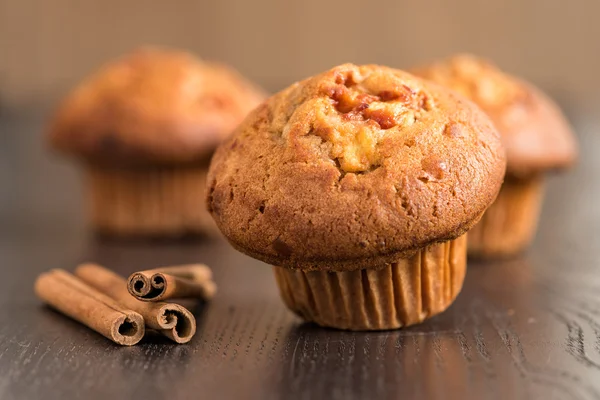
{"points": [[400, 294], [154, 202], [509, 225]]}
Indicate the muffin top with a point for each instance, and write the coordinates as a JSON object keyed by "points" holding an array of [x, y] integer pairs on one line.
{"points": [[354, 168], [535, 134], [153, 106]]}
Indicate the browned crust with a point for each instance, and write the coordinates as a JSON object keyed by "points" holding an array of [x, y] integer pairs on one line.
{"points": [[152, 106], [534, 131], [277, 194]]}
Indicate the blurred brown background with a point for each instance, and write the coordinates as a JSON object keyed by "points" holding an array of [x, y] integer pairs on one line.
{"points": [[47, 46]]}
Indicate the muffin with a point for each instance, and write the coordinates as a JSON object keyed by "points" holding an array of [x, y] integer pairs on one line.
{"points": [[145, 127], [537, 139], [358, 185]]}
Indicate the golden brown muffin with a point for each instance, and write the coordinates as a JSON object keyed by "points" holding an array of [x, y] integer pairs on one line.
{"points": [[145, 127], [537, 139], [358, 184]]}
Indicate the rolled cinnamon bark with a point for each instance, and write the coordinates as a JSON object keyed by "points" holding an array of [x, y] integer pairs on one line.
{"points": [[171, 320], [182, 281], [85, 304]]}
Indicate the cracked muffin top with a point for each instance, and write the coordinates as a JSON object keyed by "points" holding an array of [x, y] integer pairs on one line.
{"points": [[535, 134], [354, 168], [153, 106]]}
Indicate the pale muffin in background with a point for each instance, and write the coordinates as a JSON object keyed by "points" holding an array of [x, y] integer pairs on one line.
{"points": [[537, 139], [144, 127]]}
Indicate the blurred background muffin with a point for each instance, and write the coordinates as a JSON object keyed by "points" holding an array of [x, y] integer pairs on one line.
{"points": [[145, 127], [537, 139]]}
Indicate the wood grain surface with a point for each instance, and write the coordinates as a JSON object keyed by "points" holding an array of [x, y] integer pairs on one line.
{"points": [[525, 328]]}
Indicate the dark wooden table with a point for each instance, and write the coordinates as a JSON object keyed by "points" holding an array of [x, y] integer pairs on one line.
{"points": [[525, 328]]}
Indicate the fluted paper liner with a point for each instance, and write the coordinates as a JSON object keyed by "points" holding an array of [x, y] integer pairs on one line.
{"points": [[510, 223], [149, 202], [400, 294]]}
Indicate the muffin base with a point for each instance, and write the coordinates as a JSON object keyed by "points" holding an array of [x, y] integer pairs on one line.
{"points": [[400, 294], [510, 224], [160, 202]]}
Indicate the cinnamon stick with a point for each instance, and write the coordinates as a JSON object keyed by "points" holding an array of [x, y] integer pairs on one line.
{"points": [[182, 281], [171, 320], [85, 304]]}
